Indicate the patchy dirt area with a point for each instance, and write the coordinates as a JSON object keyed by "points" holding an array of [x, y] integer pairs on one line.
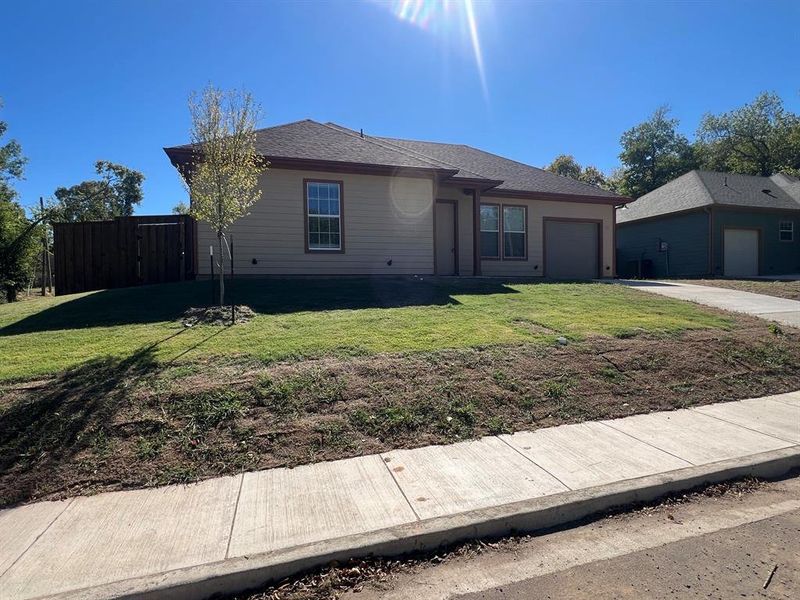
{"points": [[117, 424], [780, 289], [218, 315]]}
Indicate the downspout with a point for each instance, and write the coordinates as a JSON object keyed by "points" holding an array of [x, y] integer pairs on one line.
{"points": [[710, 242], [476, 231], [614, 208]]}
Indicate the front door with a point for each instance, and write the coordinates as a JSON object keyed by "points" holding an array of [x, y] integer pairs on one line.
{"points": [[445, 238], [740, 253]]}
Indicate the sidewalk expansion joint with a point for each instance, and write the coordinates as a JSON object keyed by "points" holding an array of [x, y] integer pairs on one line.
{"points": [[399, 487], [235, 512], [648, 443], [718, 418], [535, 463], [38, 537]]}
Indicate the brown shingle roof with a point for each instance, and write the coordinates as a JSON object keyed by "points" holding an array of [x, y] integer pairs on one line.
{"points": [[515, 175], [697, 189], [328, 142]]}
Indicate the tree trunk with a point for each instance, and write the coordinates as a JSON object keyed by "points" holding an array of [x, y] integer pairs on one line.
{"points": [[221, 270]]}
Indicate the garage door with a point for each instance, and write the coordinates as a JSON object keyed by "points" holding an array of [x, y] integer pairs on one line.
{"points": [[571, 249], [740, 253]]}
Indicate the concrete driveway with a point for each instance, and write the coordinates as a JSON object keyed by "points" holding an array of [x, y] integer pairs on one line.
{"points": [[781, 310]]}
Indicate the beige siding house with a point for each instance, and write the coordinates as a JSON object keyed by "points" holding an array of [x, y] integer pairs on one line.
{"points": [[337, 202]]}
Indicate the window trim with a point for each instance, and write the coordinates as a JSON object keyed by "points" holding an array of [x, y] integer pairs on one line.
{"points": [[340, 249], [790, 231], [499, 208], [524, 208]]}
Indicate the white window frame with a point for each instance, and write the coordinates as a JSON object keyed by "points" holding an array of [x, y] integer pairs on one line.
{"points": [[790, 231], [338, 217]]}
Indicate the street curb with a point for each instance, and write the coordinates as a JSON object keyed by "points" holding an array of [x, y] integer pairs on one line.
{"points": [[243, 573]]}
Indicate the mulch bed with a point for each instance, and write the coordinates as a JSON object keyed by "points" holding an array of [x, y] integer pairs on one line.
{"points": [[113, 425], [217, 315]]}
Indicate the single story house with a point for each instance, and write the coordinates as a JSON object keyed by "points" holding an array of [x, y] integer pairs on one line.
{"points": [[712, 224], [338, 202]]}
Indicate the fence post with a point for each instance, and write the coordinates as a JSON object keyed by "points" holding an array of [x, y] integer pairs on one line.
{"points": [[44, 248], [233, 300], [211, 257]]}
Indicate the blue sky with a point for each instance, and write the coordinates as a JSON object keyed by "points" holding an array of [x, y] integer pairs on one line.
{"points": [[83, 81]]}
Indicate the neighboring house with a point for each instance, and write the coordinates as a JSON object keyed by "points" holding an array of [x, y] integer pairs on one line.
{"points": [[712, 224], [337, 202]]}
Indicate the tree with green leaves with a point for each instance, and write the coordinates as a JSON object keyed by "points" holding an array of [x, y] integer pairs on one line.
{"points": [[115, 194], [566, 166], [18, 239], [223, 175], [760, 138], [181, 208], [654, 153]]}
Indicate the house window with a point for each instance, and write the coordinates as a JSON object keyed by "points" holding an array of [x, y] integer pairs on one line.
{"points": [[490, 231], [786, 231], [324, 215], [514, 243]]}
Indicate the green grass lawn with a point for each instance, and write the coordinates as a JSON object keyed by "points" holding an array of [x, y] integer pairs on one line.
{"points": [[301, 318]]}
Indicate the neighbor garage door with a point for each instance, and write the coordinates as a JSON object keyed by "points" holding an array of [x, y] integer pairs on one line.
{"points": [[571, 249], [740, 256]]}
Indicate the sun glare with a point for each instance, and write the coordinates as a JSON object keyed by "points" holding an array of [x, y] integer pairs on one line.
{"points": [[444, 17]]}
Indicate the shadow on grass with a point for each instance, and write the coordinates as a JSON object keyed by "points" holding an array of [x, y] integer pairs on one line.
{"points": [[167, 302], [71, 414]]}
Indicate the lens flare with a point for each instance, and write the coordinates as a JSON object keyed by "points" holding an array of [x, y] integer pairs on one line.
{"points": [[445, 17], [476, 44]]}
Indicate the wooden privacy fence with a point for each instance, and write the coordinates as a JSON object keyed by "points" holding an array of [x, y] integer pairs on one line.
{"points": [[126, 251]]}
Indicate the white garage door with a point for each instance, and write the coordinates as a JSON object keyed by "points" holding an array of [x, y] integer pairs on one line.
{"points": [[740, 256], [571, 249]]}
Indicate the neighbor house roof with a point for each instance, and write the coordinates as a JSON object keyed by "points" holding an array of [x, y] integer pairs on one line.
{"points": [[309, 143], [699, 189]]}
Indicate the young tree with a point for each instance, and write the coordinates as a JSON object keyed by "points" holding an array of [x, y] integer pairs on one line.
{"points": [[115, 194], [654, 153], [760, 138], [223, 176]]}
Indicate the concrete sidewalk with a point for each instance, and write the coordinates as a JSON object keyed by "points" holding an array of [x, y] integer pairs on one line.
{"points": [[232, 533], [781, 310]]}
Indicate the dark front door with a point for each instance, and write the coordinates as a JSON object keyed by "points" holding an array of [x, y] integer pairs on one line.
{"points": [[446, 253]]}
